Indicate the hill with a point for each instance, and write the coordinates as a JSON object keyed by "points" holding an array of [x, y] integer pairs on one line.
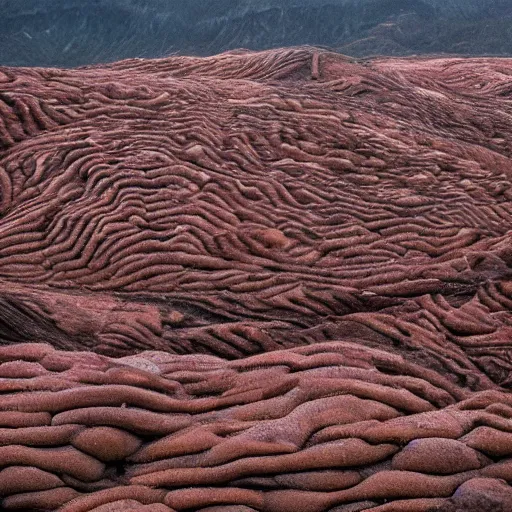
{"points": [[275, 281]]}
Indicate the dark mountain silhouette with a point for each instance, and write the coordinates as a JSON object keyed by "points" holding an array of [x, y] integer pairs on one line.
{"points": [[70, 32]]}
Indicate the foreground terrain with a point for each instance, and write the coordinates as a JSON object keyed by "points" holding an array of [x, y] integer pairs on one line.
{"points": [[254, 280]]}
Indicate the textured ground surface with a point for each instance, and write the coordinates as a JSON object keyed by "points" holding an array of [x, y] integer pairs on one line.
{"points": [[325, 427], [316, 252]]}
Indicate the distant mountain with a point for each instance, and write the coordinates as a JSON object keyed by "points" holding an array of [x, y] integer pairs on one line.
{"points": [[76, 32]]}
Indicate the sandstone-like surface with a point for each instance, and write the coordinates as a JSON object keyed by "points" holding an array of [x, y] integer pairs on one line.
{"points": [[256, 281]]}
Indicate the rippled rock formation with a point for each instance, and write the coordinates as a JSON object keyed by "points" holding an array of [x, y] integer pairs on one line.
{"points": [[330, 426], [302, 261]]}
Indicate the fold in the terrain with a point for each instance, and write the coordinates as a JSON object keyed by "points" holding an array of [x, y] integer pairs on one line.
{"points": [[326, 427], [303, 262]]}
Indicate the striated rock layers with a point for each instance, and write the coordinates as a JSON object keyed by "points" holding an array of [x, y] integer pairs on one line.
{"points": [[301, 262]]}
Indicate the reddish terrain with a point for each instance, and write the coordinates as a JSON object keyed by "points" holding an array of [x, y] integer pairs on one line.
{"points": [[303, 261]]}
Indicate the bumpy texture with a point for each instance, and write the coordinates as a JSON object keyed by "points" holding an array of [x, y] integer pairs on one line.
{"points": [[303, 262], [331, 426]]}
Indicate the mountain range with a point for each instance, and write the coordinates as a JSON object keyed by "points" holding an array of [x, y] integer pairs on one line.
{"points": [[68, 33]]}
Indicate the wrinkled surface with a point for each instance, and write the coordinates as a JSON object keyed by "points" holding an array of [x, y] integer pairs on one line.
{"points": [[301, 263], [331, 425]]}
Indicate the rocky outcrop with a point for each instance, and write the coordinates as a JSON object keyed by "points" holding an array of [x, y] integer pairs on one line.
{"points": [[301, 262]]}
